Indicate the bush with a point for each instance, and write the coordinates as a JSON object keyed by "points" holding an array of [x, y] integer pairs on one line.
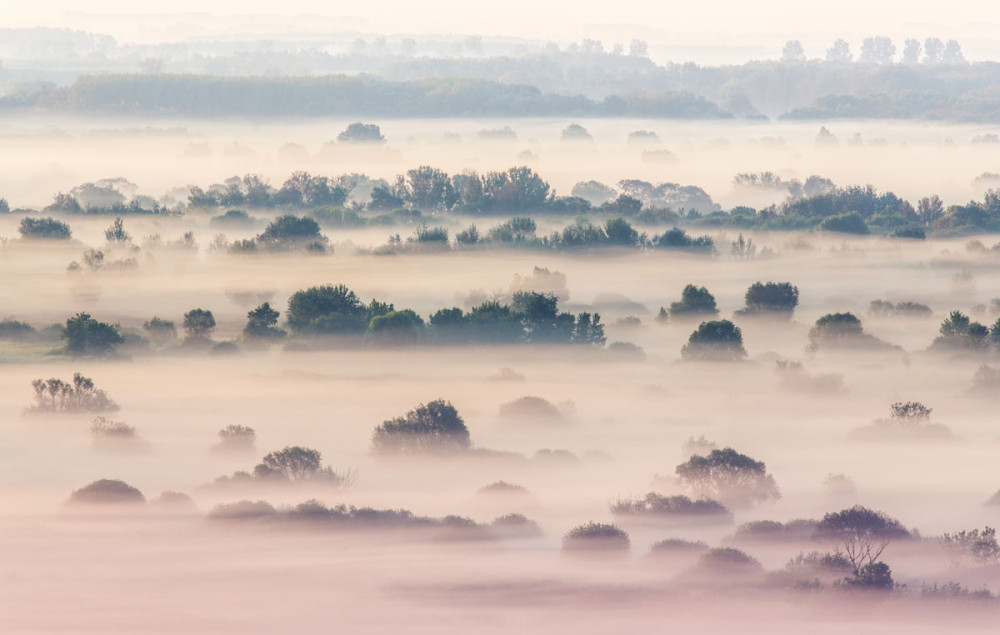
{"points": [[11, 329], [842, 331], [236, 438], [849, 223], [654, 505], [532, 409], [160, 331], [107, 492], [596, 537], [432, 428], [103, 428], [673, 546], [243, 510], [726, 560], [718, 340], [44, 229], [874, 575]]}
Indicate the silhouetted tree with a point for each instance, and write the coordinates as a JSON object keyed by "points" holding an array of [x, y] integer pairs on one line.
{"points": [[730, 477], [199, 324], [718, 340], [432, 428], [85, 336]]}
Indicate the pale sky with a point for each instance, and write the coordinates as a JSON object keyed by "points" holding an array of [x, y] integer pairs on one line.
{"points": [[716, 29]]}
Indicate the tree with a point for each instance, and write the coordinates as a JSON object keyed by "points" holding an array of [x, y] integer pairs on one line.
{"points": [[80, 395], [862, 533], [293, 463], [116, 234], [395, 328], [718, 340], [638, 48], [575, 132], [933, 50], [911, 51], [361, 133], [930, 209], [286, 232], [326, 309], [773, 299], [840, 52], [835, 329], [694, 301], [619, 232], [952, 53], [160, 331], [199, 324], [793, 52], [44, 229], [261, 323], [729, 477], [86, 336], [107, 492], [877, 50], [432, 428], [430, 188]]}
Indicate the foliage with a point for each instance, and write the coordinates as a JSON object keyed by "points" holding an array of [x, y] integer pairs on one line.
{"points": [[596, 536], [116, 234], [727, 560], [435, 427], [863, 533], [107, 492], [770, 298], [694, 301], [288, 232], [199, 324], [395, 328], [653, 505], [160, 331], [361, 133], [975, 546], [327, 310], [728, 476], [678, 239], [87, 337], [261, 323], [103, 428], [44, 228], [55, 395], [718, 340], [873, 575]]}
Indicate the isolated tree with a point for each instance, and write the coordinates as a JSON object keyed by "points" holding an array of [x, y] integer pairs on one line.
{"points": [[361, 133], [293, 463], [199, 324], [718, 340], [728, 476], [862, 533], [836, 329], [575, 132], [694, 301], [772, 299], [116, 233], [107, 492], [793, 52], [85, 336], [929, 209], [435, 427], [840, 52]]}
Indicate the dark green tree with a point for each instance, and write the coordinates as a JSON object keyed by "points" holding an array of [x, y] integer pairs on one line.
{"points": [[262, 323], [718, 340], [777, 299], [44, 229], [199, 324], [85, 336], [160, 331], [694, 301], [395, 328], [432, 428], [327, 310]]}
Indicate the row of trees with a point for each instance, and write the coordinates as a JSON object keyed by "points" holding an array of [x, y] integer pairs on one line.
{"points": [[881, 50]]}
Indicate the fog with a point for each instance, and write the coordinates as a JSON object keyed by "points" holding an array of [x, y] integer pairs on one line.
{"points": [[627, 420], [51, 154]]}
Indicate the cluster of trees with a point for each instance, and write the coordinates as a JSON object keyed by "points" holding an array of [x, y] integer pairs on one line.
{"points": [[79, 395], [959, 333], [881, 50]]}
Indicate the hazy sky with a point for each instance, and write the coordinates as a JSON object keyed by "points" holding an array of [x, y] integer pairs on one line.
{"points": [[712, 30]]}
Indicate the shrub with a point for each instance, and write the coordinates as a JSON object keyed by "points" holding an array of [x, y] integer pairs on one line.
{"points": [[236, 437], [654, 505], [975, 546], [874, 575], [44, 229], [242, 510], [11, 329], [726, 560], [530, 408], [842, 331], [104, 428], [160, 331], [678, 546], [597, 537], [107, 492], [432, 428]]}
